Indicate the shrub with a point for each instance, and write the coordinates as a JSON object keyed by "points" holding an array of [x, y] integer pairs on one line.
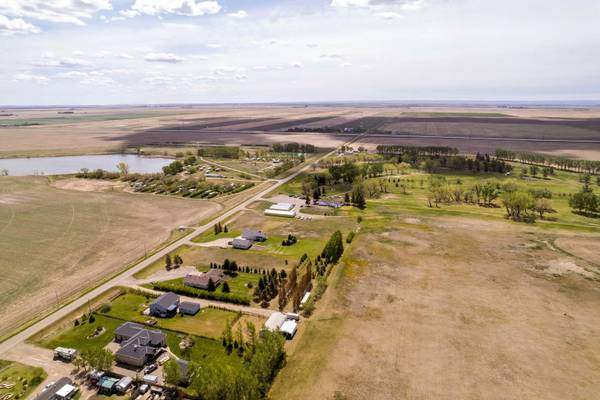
{"points": [[350, 237], [106, 307]]}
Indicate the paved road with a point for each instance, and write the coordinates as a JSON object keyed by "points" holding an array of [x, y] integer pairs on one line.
{"points": [[125, 276]]}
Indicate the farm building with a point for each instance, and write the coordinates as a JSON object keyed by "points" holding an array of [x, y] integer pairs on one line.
{"points": [[332, 204], [285, 323], [280, 213], [275, 321], [123, 384], [242, 244], [254, 235], [282, 207], [189, 308], [68, 391], [201, 281], [165, 306]]}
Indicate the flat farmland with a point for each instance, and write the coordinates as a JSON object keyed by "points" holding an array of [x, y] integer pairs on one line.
{"points": [[451, 308], [471, 129], [55, 242]]}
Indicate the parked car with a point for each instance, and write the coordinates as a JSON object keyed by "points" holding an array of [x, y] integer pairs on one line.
{"points": [[144, 388], [150, 368]]}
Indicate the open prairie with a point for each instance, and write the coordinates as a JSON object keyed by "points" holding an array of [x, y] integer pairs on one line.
{"points": [[453, 308], [55, 242], [570, 131]]}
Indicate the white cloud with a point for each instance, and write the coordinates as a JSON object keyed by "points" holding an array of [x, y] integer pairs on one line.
{"points": [[27, 77], [296, 64], [350, 3], [163, 57], [388, 15], [191, 8], [214, 45], [69, 11], [77, 53], [332, 56], [129, 13], [226, 70], [67, 62], [72, 75], [240, 14], [17, 25]]}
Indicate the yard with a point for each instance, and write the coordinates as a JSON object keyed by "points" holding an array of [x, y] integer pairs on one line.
{"points": [[18, 380], [209, 322]]}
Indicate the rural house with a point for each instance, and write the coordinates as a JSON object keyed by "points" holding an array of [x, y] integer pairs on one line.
{"points": [[201, 281], [254, 235], [165, 306], [138, 345], [242, 244]]}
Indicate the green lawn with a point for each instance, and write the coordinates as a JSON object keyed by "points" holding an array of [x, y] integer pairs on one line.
{"points": [[238, 285], [77, 337], [209, 322], [210, 236], [204, 351], [24, 378]]}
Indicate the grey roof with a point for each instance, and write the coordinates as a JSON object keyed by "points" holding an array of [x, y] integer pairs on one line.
{"points": [[128, 329], [183, 368], [202, 279], [252, 234], [189, 307], [241, 243], [167, 300], [144, 343]]}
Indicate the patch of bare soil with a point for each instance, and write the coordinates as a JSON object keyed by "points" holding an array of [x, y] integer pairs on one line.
{"points": [[87, 185], [585, 248], [451, 313]]}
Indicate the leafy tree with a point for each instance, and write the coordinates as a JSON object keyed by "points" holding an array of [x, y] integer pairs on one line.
{"points": [[98, 358], [168, 261], [211, 285], [172, 372], [358, 195], [123, 168], [225, 287], [542, 206]]}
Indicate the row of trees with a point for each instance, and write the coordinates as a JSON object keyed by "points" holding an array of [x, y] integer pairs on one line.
{"points": [[218, 228], [173, 262], [232, 152], [293, 148], [416, 150], [562, 163]]}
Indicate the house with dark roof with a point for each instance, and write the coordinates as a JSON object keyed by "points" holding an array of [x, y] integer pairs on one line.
{"points": [[138, 345], [242, 244], [254, 235], [165, 306], [200, 281]]}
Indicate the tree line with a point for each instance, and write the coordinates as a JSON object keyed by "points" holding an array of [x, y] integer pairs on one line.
{"points": [[293, 147], [562, 163]]}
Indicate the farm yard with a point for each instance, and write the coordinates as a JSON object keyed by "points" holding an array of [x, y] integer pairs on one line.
{"points": [[83, 235]]}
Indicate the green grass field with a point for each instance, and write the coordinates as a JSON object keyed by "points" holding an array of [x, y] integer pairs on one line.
{"points": [[238, 285], [24, 378], [209, 322]]}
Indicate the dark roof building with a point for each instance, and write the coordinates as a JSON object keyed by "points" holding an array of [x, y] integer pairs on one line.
{"points": [[201, 281], [254, 235], [165, 306], [189, 308], [242, 244], [138, 345]]}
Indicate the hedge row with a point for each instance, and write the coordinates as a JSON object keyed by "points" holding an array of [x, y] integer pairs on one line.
{"points": [[199, 293]]}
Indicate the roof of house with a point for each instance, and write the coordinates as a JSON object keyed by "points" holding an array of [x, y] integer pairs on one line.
{"points": [[66, 390], [107, 382], [241, 243], [167, 300], [202, 279], [282, 206], [128, 329], [143, 343], [251, 234]]}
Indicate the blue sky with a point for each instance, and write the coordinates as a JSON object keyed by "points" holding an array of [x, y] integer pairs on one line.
{"points": [[182, 51]]}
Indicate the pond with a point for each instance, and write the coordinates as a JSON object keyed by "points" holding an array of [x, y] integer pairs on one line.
{"points": [[73, 164]]}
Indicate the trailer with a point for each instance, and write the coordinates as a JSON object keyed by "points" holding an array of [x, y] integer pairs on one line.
{"points": [[65, 353]]}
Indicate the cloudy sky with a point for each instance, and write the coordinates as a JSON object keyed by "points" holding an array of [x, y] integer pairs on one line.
{"points": [[183, 51]]}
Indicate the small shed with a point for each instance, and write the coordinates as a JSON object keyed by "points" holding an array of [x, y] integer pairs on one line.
{"points": [[189, 308], [282, 206], [123, 384], [275, 321], [106, 385]]}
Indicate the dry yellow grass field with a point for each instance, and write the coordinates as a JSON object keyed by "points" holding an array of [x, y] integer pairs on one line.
{"points": [[453, 308], [55, 242]]}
